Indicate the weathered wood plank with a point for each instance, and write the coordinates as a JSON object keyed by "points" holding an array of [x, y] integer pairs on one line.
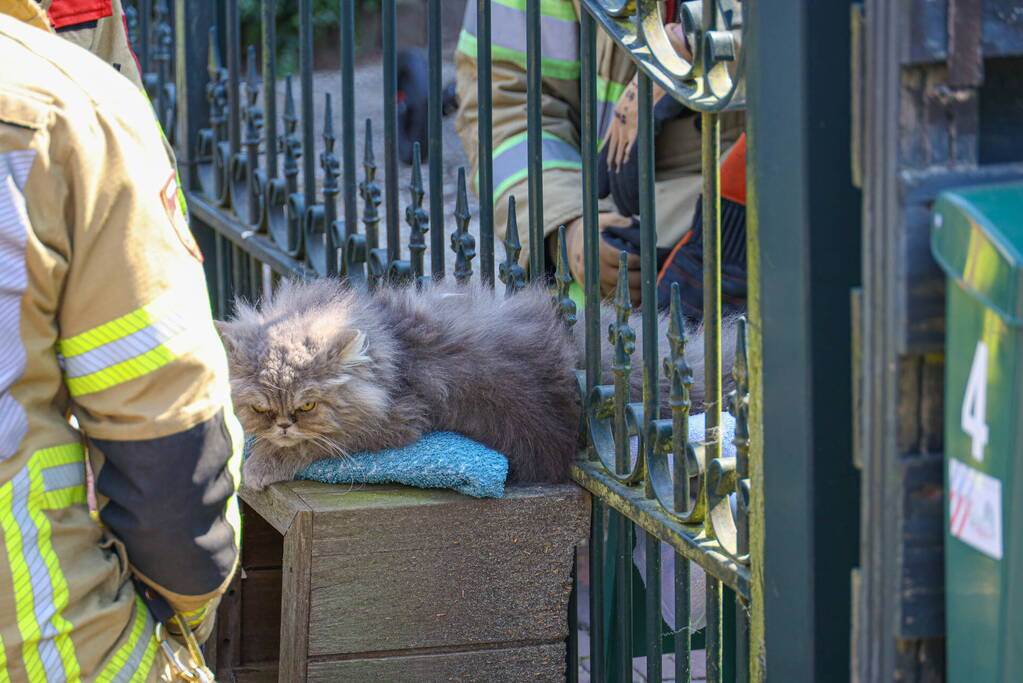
{"points": [[428, 574], [277, 504], [295, 598], [537, 663], [261, 615]]}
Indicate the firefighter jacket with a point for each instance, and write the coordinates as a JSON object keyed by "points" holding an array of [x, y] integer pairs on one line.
{"points": [[678, 145], [108, 357]]}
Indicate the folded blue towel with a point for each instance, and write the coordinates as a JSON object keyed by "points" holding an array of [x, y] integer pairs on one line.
{"points": [[438, 460]]}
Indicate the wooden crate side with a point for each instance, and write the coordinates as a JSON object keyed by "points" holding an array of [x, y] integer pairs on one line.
{"points": [[295, 594], [461, 573], [536, 663]]}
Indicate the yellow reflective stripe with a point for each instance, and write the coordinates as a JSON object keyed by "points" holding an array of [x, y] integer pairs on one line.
{"points": [[133, 367], [134, 659], [39, 587], [4, 676], [609, 91], [61, 597], [70, 454], [24, 604], [142, 673], [549, 66], [119, 327]]}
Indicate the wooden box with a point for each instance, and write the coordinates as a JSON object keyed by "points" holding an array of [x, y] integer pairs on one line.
{"points": [[387, 583]]}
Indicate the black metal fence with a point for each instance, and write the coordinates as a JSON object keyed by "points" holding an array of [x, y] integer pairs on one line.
{"points": [[270, 195]]}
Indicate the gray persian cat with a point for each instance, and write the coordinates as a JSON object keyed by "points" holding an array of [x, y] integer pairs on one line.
{"points": [[321, 370]]}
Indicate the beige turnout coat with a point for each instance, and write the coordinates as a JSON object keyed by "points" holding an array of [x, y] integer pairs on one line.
{"points": [[104, 316]]}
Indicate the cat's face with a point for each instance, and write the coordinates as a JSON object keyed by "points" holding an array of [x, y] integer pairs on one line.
{"points": [[297, 379]]}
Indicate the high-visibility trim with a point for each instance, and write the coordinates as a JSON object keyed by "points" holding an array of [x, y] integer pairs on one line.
{"points": [[134, 659], [608, 94], [130, 346], [4, 676], [63, 476], [559, 9], [511, 160], [14, 229], [163, 308], [130, 369], [559, 35], [553, 68], [40, 589]]}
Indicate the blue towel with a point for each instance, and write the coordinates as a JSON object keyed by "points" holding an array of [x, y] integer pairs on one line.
{"points": [[438, 460]]}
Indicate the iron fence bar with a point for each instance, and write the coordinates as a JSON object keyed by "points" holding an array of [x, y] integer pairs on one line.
{"points": [[435, 137], [485, 124], [623, 597], [234, 122], [683, 619], [588, 95], [192, 21], [534, 151], [354, 257], [714, 627], [653, 607], [390, 129], [596, 568], [268, 18], [145, 15], [305, 59]]}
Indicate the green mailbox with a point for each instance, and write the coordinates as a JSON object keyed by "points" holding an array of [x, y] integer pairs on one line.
{"points": [[977, 238]]}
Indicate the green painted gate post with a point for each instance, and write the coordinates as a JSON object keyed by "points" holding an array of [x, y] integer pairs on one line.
{"points": [[804, 245]]}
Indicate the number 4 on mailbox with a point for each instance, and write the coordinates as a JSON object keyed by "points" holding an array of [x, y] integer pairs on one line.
{"points": [[974, 413]]}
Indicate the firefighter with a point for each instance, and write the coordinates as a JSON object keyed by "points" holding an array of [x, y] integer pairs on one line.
{"points": [[678, 143], [104, 317]]}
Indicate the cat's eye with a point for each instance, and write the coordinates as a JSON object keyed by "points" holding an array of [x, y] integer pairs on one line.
{"points": [[306, 407], [258, 408]]}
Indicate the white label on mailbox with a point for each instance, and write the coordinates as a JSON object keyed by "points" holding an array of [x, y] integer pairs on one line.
{"points": [[975, 508]]}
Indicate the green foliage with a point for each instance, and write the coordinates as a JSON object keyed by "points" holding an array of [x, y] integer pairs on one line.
{"points": [[325, 26]]}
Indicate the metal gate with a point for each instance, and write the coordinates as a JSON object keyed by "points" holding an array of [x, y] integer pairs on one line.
{"points": [[269, 195]]}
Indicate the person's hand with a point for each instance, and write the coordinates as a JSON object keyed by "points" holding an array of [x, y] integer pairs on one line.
{"points": [[607, 260], [624, 126]]}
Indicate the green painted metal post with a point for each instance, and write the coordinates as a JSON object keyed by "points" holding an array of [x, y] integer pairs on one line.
{"points": [[804, 218]]}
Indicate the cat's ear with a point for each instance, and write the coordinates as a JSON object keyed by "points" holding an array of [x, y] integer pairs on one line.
{"points": [[349, 347], [224, 330]]}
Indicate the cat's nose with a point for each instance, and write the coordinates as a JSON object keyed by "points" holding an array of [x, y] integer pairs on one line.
{"points": [[284, 425]]}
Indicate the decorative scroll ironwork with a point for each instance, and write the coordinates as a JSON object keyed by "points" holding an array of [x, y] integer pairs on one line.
{"points": [[511, 273], [462, 241], [705, 83]]}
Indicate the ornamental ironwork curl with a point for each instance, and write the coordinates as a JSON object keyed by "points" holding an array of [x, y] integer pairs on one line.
{"points": [[713, 80]]}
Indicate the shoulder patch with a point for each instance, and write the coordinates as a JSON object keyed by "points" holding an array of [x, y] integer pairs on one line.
{"points": [[172, 206]]}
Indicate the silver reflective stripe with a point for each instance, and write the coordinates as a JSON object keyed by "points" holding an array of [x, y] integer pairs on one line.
{"points": [[39, 577], [14, 226], [125, 348], [513, 161], [63, 476], [559, 38], [134, 663]]}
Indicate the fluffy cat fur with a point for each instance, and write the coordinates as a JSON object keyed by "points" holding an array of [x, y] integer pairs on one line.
{"points": [[321, 370]]}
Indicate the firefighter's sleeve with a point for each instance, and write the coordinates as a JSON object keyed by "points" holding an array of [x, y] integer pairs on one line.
{"points": [[562, 167], [144, 367]]}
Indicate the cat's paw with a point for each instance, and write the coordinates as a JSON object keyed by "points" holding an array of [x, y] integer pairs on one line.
{"points": [[259, 471]]}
